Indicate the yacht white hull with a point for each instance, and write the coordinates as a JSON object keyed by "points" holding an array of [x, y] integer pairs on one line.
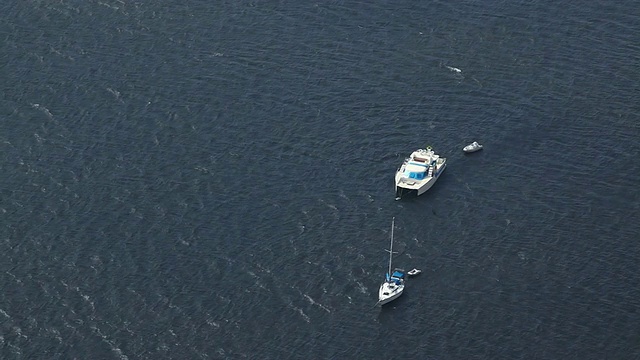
{"points": [[471, 150], [419, 187], [419, 172]]}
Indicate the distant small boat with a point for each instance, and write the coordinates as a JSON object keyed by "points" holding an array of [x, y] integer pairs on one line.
{"points": [[454, 69], [414, 272], [473, 147]]}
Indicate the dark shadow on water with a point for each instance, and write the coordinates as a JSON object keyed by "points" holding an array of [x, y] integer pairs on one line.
{"points": [[477, 153], [387, 313]]}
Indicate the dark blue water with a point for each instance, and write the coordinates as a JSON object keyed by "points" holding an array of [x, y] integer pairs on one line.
{"points": [[214, 180]]}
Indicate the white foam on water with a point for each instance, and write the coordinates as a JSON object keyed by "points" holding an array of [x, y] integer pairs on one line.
{"points": [[114, 92], [109, 342], [43, 109], [259, 283], [313, 302], [18, 331], [10, 274], [5, 313], [56, 334], [305, 317]]}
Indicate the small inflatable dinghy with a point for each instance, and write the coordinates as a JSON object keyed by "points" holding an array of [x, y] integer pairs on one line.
{"points": [[414, 272]]}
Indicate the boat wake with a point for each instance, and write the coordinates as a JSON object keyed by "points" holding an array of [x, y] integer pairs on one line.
{"points": [[313, 302]]}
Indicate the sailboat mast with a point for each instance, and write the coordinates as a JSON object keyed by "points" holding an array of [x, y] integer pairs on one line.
{"points": [[391, 250]]}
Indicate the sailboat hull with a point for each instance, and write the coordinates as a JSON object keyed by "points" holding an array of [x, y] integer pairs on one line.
{"points": [[386, 295]]}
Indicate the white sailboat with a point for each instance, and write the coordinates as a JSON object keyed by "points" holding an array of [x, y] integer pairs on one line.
{"points": [[393, 286]]}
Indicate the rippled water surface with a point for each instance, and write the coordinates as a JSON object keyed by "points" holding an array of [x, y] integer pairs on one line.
{"points": [[214, 180]]}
